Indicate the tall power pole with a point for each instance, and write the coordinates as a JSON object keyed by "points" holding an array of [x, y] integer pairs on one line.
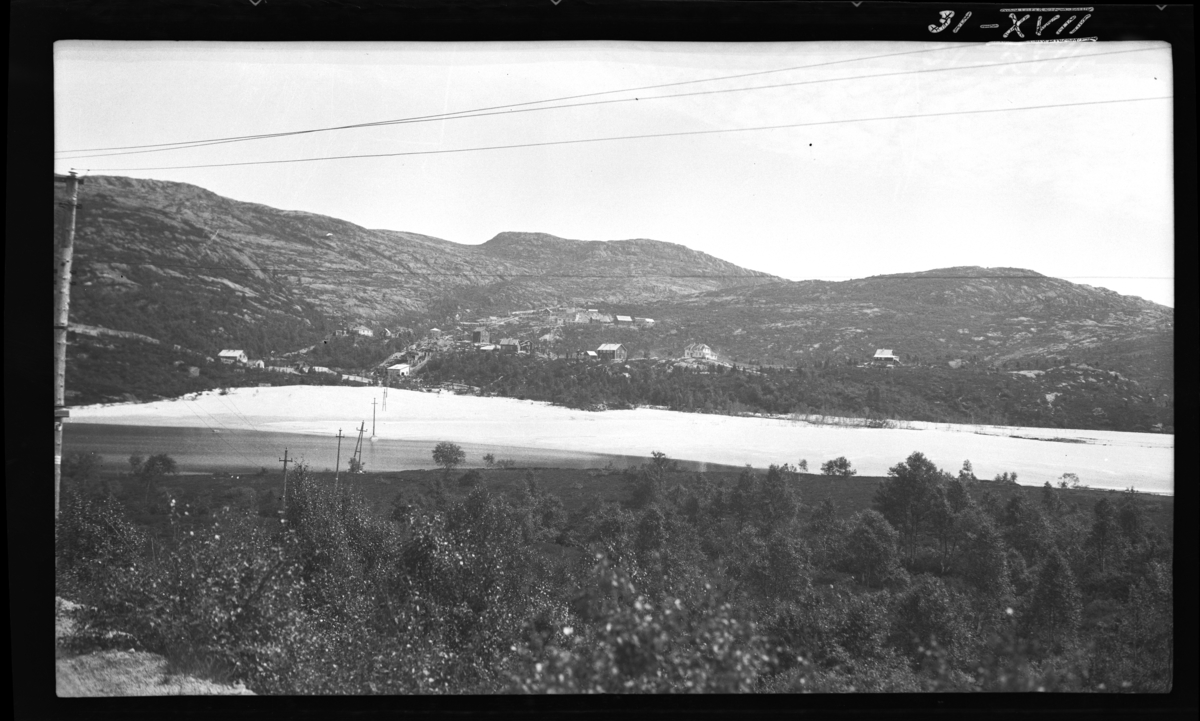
{"points": [[358, 445], [338, 463], [62, 301], [373, 401], [285, 462]]}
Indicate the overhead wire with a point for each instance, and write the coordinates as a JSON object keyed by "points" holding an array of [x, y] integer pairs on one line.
{"points": [[578, 96], [221, 436], [644, 136], [474, 114]]}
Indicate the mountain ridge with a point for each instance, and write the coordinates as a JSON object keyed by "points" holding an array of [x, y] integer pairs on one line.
{"points": [[180, 263], [159, 245]]}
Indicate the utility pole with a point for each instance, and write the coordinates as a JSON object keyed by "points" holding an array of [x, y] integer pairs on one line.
{"points": [[384, 398], [372, 419], [285, 464], [338, 463], [358, 446], [62, 302]]}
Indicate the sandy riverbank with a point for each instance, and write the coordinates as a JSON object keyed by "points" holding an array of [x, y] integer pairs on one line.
{"points": [[1102, 459]]}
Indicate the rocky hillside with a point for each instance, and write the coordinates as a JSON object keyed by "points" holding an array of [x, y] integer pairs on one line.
{"points": [[995, 316], [194, 271], [187, 266], [616, 271]]}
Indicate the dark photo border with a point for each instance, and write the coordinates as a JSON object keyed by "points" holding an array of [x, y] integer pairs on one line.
{"points": [[36, 24]]}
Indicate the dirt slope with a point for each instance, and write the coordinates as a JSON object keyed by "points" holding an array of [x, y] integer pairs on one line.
{"points": [[115, 672]]}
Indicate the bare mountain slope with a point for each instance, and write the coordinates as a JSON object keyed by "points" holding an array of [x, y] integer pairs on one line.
{"points": [[987, 314], [187, 266]]}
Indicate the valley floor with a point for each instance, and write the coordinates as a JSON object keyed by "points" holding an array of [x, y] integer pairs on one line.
{"points": [[1102, 459]]}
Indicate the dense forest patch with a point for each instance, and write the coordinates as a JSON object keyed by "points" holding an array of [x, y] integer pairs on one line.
{"points": [[645, 579]]}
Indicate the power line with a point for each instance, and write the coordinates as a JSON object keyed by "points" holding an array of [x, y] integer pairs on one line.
{"points": [[474, 114], [517, 105], [632, 137], [219, 435]]}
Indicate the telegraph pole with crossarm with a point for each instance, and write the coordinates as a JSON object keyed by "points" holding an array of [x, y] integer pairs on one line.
{"points": [[62, 302], [285, 462], [338, 463]]}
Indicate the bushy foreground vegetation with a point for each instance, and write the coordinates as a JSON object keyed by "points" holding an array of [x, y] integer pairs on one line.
{"points": [[686, 585]]}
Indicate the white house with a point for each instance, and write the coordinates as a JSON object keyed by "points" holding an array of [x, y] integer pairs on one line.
{"points": [[699, 350], [399, 370], [624, 319], [363, 331], [885, 355], [257, 364], [612, 352], [233, 356]]}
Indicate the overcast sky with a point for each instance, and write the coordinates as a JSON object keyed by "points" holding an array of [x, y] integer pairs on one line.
{"points": [[1082, 192]]}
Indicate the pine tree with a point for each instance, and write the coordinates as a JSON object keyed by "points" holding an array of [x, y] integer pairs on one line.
{"points": [[1055, 610], [984, 559], [1105, 538]]}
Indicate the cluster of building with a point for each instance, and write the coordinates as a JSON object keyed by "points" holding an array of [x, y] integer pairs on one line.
{"points": [[365, 332], [592, 315], [481, 339], [241, 361]]}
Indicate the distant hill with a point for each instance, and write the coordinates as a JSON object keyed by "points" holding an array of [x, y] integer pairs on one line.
{"points": [[988, 315], [199, 272], [190, 267]]}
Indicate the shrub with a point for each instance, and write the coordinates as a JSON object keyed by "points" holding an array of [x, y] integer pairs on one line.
{"points": [[151, 470], [1069, 480], [872, 548], [1007, 478], [470, 479], [839, 466], [92, 538], [930, 614], [448, 456], [639, 646]]}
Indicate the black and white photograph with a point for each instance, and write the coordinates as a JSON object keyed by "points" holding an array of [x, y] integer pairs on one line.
{"points": [[617, 366]]}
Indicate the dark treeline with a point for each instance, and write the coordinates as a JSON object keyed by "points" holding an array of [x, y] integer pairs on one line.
{"points": [[938, 394], [204, 319], [687, 585], [119, 369]]}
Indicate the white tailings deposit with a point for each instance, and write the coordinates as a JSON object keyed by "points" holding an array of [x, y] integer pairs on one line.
{"points": [[1101, 459]]}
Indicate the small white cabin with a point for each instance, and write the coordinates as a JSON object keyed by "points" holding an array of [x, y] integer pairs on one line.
{"points": [[885, 355]]}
